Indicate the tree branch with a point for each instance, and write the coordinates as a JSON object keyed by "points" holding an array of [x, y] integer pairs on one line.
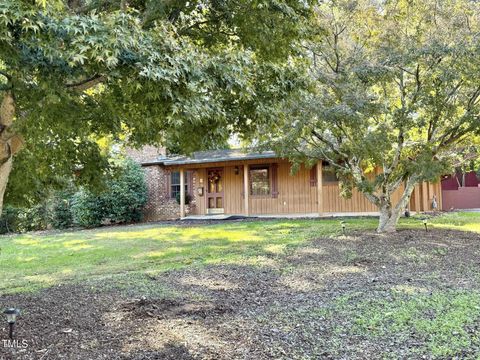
{"points": [[359, 178], [473, 99], [407, 192], [329, 144], [86, 83]]}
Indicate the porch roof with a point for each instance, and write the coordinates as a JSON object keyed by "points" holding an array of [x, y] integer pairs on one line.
{"points": [[202, 157]]}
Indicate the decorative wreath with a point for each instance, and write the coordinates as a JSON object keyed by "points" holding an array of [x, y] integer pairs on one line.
{"points": [[214, 176]]}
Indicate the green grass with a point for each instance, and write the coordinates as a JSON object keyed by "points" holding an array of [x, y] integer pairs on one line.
{"points": [[440, 320], [464, 221], [33, 261]]}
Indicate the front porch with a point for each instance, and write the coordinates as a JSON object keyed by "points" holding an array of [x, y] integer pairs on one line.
{"points": [[261, 187]]}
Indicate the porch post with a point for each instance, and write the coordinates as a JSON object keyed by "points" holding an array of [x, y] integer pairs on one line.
{"points": [[319, 188], [425, 196], [246, 188], [182, 193]]}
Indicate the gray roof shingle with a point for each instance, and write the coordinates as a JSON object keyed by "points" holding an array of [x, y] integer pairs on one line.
{"points": [[201, 157]]}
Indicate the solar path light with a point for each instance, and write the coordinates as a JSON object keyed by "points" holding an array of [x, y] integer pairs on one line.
{"points": [[11, 314], [425, 224]]}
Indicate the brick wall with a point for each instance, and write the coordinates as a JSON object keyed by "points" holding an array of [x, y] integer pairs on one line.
{"points": [[160, 206]]}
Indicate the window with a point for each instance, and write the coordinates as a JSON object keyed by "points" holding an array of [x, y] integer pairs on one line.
{"points": [[328, 173], [260, 180], [175, 184]]}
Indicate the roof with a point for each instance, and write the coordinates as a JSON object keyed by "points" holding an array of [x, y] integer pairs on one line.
{"points": [[201, 157]]}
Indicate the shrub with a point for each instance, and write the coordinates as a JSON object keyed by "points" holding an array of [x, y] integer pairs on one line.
{"points": [[188, 198], [34, 218], [122, 202], [86, 209], [9, 220], [126, 195], [62, 216], [18, 220]]}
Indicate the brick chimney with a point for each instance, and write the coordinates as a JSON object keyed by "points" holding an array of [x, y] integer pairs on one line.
{"points": [[147, 153]]}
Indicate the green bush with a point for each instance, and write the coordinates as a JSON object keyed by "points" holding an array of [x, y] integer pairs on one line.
{"points": [[21, 219], [86, 209], [188, 198], [35, 218], [9, 221], [121, 202], [126, 195], [62, 216]]}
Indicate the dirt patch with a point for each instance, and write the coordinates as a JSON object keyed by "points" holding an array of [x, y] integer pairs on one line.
{"points": [[299, 307], [165, 309]]}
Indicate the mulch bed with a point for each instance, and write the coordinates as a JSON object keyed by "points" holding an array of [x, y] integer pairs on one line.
{"points": [[240, 311]]}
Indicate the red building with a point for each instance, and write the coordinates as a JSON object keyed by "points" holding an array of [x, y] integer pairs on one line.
{"points": [[456, 196]]}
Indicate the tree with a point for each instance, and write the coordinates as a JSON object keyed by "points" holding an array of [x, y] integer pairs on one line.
{"points": [[395, 87], [173, 72]]}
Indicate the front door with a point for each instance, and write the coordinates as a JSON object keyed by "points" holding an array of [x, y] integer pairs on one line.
{"points": [[215, 191]]}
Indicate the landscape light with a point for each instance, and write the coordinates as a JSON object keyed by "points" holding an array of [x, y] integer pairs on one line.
{"points": [[342, 223], [11, 314], [425, 224]]}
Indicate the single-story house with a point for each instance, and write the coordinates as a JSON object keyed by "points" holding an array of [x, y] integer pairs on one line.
{"points": [[233, 182]]}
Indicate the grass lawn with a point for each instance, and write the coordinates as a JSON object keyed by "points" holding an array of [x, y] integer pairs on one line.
{"points": [[34, 260], [297, 288]]}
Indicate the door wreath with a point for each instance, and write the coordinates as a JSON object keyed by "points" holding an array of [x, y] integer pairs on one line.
{"points": [[213, 176]]}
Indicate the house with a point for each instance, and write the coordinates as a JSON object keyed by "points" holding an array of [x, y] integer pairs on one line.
{"points": [[233, 182]]}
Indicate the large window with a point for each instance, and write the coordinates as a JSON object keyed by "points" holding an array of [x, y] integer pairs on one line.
{"points": [[175, 184], [260, 180]]}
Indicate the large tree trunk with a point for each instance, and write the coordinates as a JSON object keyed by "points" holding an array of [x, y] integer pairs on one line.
{"points": [[9, 142], [388, 218], [5, 170], [389, 215]]}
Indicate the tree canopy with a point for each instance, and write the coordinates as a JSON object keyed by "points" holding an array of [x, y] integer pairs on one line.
{"points": [[395, 87], [182, 73]]}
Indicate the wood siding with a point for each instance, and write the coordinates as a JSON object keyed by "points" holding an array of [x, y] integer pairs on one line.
{"points": [[333, 202], [422, 197], [296, 195]]}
